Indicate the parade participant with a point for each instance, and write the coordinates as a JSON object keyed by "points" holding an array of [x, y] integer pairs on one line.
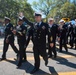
{"points": [[39, 40], [53, 31], [9, 38], [62, 34], [21, 37]]}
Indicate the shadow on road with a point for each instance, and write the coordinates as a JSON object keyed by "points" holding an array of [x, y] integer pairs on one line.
{"points": [[28, 67], [64, 61], [69, 53], [52, 70]]}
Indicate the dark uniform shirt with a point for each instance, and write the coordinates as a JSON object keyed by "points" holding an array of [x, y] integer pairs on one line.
{"points": [[39, 32], [53, 32], [63, 31], [21, 34], [8, 32]]}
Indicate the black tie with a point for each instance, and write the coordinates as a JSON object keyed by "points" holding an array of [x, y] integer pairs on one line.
{"points": [[38, 24]]}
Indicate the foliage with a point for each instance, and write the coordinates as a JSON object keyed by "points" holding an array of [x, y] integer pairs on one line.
{"points": [[11, 8]]}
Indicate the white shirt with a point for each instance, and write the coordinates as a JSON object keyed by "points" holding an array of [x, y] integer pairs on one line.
{"points": [[7, 24], [39, 23], [50, 25]]}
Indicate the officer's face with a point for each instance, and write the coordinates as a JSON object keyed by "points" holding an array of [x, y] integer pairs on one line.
{"points": [[61, 23], [6, 21], [38, 18], [20, 22], [51, 22]]}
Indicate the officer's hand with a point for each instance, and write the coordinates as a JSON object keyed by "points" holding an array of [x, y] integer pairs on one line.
{"points": [[7, 40], [51, 44], [14, 31]]}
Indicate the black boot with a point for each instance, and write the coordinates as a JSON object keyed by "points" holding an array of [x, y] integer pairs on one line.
{"points": [[50, 56], [60, 51], [66, 50], [2, 59], [19, 64], [55, 56], [46, 62], [17, 57]]}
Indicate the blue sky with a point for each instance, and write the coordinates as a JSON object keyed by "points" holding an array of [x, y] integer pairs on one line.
{"points": [[31, 1]]}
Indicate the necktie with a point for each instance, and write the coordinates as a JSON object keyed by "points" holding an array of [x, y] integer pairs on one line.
{"points": [[38, 24]]}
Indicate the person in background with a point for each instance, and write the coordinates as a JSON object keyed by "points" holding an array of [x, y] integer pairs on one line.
{"points": [[9, 38], [62, 35], [53, 31]]}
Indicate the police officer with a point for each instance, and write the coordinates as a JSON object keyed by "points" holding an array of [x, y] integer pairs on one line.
{"points": [[9, 38], [53, 31], [62, 34], [21, 37], [39, 40]]}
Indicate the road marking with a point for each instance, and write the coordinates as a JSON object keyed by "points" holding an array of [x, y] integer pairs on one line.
{"points": [[66, 56], [61, 73], [67, 73], [28, 48], [67, 46], [32, 58], [10, 50]]}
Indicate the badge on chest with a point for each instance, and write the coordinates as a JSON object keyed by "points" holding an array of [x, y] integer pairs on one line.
{"points": [[36, 26], [43, 27], [18, 28], [49, 30]]}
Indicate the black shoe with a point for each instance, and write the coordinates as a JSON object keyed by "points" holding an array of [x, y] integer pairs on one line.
{"points": [[2, 59], [55, 56], [19, 65], [17, 56], [60, 51], [46, 62], [66, 50], [34, 70], [50, 56], [24, 61]]}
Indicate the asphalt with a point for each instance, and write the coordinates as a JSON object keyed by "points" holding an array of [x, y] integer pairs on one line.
{"points": [[64, 64]]}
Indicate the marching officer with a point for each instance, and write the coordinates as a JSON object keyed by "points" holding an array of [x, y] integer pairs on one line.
{"points": [[53, 31], [62, 35], [39, 40], [9, 38], [21, 37]]}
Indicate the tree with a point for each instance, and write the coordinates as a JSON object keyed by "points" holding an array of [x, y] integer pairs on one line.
{"points": [[44, 6], [68, 10], [63, 9], [11, 8]]}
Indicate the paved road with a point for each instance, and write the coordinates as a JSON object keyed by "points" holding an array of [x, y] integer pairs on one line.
{"points": [[64, 64]]}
